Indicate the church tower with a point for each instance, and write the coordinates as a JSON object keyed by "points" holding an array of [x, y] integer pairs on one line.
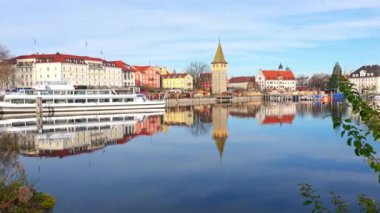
{"points": [[220, 127], [219, 67]]}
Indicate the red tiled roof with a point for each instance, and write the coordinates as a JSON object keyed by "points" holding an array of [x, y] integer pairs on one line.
{"points": [[125, 67], [58, 57], [179, 75], [141, 68], [274, 74], [241, 79], [278, 120]]}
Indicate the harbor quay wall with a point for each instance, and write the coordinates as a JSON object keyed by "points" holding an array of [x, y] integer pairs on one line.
{"points": [[207, 100]]}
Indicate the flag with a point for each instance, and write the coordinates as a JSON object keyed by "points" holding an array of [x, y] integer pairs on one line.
{"points": [[35, 41], [86, 43], [101, 52]]}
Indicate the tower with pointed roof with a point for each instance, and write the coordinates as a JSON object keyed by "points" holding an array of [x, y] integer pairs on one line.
{"points": [[220, 127], [219, 67]]}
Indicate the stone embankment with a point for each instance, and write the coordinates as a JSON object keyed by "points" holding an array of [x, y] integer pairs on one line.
{"points": [[207, 100]]}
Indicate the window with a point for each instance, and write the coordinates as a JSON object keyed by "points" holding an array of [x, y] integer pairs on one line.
{"points": [[80, 100], [104, 100]]}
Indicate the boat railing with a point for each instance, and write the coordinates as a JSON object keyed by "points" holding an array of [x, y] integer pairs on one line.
{"points": [[67, 92]]}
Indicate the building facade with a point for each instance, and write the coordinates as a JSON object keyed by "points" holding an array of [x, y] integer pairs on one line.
{"points": [[219, 67], [177, 81], [129, 79], [147, 76], [281, 80], [366, 79], [243, 83], [79, 70]]}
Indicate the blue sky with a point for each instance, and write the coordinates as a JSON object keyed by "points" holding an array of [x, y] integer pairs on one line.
{"points": [[308, 36]]}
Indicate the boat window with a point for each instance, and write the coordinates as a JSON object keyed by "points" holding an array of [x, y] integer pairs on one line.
{"points": [[117, 100], [92, 128], [80, 92], [18, 124], [28, 101], [59, 92], [104, 92], [80, 120], [30, 123], [29, 92], [59, 101], [48, 101], [70, 101], [104, 100], [92, 100], [104, 127], [60, 121], [7, 101], [92, 92], [118, 119], [17, 101], [49, 122], [128, 99], [129, 118], [80, 128], [104, 119], [92, 120], [80, 100]]}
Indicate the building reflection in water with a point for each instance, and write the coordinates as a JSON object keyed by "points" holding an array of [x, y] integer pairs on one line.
{"points": [[276, 113], [71, 135]]}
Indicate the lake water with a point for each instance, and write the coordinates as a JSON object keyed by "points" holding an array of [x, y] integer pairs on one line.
{"points": [[232, 158]]}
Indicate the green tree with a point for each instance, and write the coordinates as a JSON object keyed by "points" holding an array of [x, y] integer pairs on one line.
{"points": [[335, 76]]}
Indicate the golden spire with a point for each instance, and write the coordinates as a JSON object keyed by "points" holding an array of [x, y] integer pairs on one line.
{"points": [[219, 56], [220, 142]]}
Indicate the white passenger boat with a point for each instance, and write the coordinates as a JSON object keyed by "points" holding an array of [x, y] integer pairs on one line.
{"points": [[54, 97]]}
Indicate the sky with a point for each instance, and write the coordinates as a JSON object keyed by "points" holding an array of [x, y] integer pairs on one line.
{"points": [[309, 36]]}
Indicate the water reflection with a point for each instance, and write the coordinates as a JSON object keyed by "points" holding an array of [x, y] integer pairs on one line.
{"points": [[172, 159], [72, 135]]}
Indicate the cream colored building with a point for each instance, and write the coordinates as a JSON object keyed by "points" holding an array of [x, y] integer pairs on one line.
{"points": [[243, 83], [177, 81], [219, 67], [366, 79], [79, 70]]}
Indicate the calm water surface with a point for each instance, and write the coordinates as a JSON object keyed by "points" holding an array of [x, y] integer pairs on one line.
{"points": [[234, 158]]}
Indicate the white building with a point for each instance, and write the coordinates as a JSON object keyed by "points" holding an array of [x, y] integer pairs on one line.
{"points": [[129, 76], [366, 78], [276, 80], [79, 70]]}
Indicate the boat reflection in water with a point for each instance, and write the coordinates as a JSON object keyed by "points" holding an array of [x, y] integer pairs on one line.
{"points": [[70, 135]]}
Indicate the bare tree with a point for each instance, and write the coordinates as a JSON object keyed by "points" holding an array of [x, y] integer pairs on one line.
{"points": [[195, 69], [302, 80], [7, 70], [319, 81]]}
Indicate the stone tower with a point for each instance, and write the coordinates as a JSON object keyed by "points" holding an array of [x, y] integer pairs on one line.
{"points": [[219, 67], [220, 127]]}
